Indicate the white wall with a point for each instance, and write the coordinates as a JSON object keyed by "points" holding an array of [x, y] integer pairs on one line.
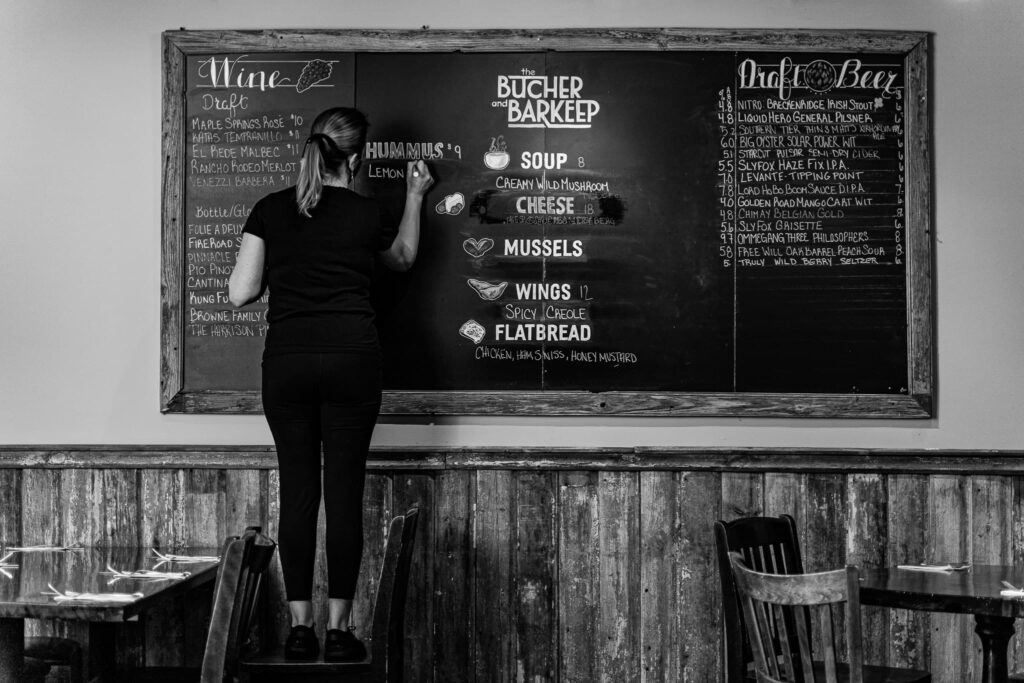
{"points": [[80, 232]]}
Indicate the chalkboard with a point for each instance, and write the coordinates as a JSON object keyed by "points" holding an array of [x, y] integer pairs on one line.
{"points": [[641, 222]]}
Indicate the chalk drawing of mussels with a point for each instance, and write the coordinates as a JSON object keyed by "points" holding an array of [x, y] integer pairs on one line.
{"points": [[477, 247]]}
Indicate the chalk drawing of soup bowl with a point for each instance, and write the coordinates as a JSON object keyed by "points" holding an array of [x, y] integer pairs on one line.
{"points": [[496, 160]]}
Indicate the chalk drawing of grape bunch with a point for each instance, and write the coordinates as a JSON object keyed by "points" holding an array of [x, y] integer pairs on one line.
{"points": [[315, 71]]}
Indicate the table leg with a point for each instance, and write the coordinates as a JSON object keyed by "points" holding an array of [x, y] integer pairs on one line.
{"points": [[102, 651], [995, 634], [12, 648]]}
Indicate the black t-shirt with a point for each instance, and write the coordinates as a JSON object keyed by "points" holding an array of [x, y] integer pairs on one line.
{"points": [[319, 270]]}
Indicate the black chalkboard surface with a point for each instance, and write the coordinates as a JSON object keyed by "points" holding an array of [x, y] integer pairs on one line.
{"points": [[660, 222]]}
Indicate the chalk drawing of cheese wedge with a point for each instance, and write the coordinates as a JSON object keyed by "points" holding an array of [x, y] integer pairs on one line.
{"points": [[487, 290], [473, 331], [451, 205]]}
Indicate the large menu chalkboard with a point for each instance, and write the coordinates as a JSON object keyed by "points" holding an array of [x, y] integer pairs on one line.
{"points": [[649, 222]]}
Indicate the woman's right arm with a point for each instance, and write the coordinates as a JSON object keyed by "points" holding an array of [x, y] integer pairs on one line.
{"points": [[246, 283], [402, 252]]}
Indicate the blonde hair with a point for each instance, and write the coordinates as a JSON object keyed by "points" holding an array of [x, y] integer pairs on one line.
{"points": [[335, 135]]}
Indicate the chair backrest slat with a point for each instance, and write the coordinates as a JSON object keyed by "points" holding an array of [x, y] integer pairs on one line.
{"points": [[854, 643], [787, 653], [828, 643], [225, 594], [243, 562], [774, 597], [386, 644], [257, 560], [804, 643]]}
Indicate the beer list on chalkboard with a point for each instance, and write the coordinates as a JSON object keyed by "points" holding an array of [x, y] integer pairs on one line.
{"points": [[698, 221]]}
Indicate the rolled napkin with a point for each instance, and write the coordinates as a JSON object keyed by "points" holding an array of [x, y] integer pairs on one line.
{"points": [[5, 565], [183, 559], [145, 574], [1011, 591], [71, 596], [957, 567]]}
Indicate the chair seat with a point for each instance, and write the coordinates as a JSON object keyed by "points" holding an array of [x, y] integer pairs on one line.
{"points": [[56, 651], [49, 648], [885, 674], [872, 674], [272, 666], [33, 670], [160, 674]]}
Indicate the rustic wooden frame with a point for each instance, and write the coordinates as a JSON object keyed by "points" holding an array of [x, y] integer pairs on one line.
{"points": [[431, 459], [914, 46]]}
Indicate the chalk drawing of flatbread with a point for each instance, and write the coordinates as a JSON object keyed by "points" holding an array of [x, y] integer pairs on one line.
{"points": [[473, 331], [477, 248], [315, 71], [451, 205], [488, 291]]}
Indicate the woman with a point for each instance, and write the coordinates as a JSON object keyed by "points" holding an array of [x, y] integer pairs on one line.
{"points": [[314, 246]]}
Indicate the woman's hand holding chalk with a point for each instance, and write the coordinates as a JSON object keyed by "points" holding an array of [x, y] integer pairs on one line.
{"points": [[419, 178]]}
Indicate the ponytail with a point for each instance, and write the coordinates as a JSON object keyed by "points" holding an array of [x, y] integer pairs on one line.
{"points": [[334, 136]]}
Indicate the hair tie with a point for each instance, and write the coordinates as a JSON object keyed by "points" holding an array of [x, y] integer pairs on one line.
{"points": [[332, 148]]}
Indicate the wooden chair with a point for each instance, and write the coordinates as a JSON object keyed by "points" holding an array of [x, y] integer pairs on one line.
{"points": [[385, 656], [244, 561], [769, 545], [774, 609]]}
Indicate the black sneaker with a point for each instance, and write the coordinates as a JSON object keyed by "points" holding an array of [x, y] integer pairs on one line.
{"points": [[302, 644], [342, 646]]}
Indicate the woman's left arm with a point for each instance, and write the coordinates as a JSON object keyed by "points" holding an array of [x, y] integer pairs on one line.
{"points": [[246, 284], [402, 252]]}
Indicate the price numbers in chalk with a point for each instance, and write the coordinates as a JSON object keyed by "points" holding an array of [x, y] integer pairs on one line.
{"points": [[726, 177]]}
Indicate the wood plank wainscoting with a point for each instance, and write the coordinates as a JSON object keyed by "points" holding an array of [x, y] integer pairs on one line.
{"points": [[550, 564]]}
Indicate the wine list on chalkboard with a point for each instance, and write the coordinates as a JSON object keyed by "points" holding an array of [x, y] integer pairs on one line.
{"points": [[663, 224]]}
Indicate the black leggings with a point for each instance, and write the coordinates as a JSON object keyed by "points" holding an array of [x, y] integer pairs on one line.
{"points": [[331, 399]]}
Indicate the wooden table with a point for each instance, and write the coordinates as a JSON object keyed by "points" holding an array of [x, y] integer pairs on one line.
{"points": [[973, 591], [24, 594]]}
